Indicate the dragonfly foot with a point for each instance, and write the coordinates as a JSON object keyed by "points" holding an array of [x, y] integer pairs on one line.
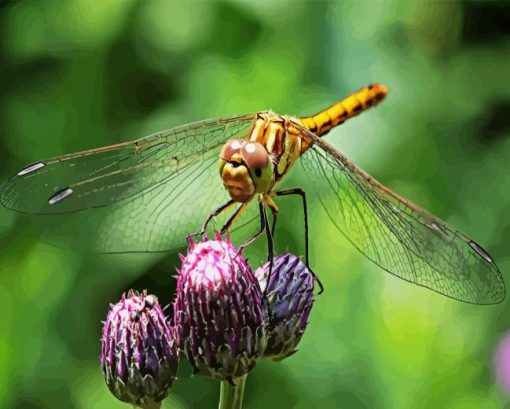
{"points": [[196, 234], [240, 250], [317, 280]]}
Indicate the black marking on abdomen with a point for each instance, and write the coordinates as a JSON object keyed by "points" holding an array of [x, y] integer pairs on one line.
{"points": [[357, 108], [328, 123]]}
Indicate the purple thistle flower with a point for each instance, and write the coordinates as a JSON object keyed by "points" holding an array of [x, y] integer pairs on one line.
{"points": [[218, 312], [289, 300], [138, 352]]}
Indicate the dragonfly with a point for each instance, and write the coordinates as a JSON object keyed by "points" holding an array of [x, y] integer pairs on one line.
{"points": [[163, 186]]}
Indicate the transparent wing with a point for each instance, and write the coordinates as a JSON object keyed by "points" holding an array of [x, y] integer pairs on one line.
{"points": [[155, 220], [99, 177], [397, 235], [140, 196]]}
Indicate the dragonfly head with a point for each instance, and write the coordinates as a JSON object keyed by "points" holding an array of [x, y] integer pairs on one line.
{"points": [[246, 169]]}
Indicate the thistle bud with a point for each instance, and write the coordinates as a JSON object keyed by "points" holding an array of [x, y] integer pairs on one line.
{"points": [[218, 312], [289, 299], [138, 352]]}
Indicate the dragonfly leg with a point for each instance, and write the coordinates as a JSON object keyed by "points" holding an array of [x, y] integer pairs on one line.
{"points": [[234, 217], [270, 249], [263, 225], [212, 215], [301, 192], [274, 210]]}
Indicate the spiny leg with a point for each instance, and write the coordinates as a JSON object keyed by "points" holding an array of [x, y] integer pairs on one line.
{"points": [[298, 191], [234, 217], [301, 192], [270, 249], [211, 215], [274, 209], [263, 226]]}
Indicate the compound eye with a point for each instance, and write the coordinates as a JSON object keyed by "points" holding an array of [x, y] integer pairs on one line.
{"points": [[255, 155], [231, 147]]}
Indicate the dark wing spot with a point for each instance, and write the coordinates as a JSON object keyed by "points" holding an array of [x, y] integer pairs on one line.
{"points": [[60, 195], [31, 168], [480, 251], [440, 230]]}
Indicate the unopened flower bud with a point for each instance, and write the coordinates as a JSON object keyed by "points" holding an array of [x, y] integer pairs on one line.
{"points": [[289, 299], [138, 351], [218, 312]]}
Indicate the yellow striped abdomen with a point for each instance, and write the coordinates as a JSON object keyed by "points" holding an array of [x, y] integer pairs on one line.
{"points": [[353, 105]]}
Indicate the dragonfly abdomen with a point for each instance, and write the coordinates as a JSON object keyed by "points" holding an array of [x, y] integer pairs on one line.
{"points": [[322, 122]]}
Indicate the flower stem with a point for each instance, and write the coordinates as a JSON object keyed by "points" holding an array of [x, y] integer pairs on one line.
{"points": [[231, 395], [149, 404]]}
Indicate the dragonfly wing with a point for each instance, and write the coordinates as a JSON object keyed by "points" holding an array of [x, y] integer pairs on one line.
{"points": [[397, 235], [144, 199], [103, 176], [155, 220]]}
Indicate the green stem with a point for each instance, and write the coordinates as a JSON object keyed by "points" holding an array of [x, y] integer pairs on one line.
{"points": [[231, 396], [149, 404]]}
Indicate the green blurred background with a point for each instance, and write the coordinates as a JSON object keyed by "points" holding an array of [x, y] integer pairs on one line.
{"points": [[76, 75]]}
